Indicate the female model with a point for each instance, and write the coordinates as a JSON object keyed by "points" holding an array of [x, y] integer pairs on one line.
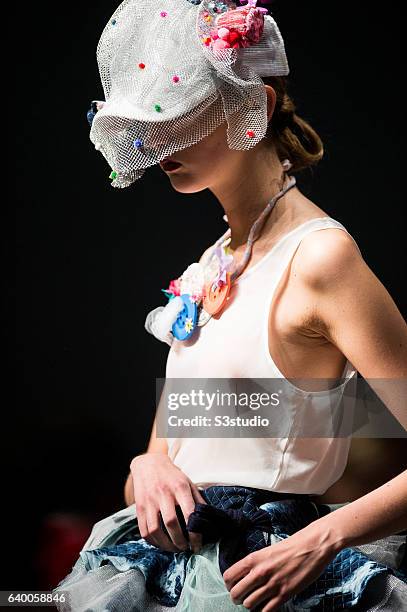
{"points": [[326, 315], [328, 307]]}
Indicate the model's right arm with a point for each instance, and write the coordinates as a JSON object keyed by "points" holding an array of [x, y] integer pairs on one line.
{"points": [[157, 486], [155, 445]]}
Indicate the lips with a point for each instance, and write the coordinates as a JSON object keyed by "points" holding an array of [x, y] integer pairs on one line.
{"points": [[169, 165]]}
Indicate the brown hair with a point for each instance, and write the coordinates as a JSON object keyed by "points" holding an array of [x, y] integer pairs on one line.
{"points": [[292, 136]]}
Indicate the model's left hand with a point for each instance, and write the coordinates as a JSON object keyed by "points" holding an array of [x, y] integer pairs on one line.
{"points": [[272, 575]]}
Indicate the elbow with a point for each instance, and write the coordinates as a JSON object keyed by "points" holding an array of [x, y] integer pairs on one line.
{"points": [[129, 491]]}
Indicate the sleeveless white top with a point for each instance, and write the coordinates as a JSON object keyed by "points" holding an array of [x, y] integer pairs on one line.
{"points": [[235, 345]]}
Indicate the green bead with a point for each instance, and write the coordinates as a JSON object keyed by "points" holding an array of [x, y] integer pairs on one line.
{"points": [[157, 108], [113, 175]]}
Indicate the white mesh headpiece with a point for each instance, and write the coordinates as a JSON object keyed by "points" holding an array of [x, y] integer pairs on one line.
{"points": [[173, 70]]}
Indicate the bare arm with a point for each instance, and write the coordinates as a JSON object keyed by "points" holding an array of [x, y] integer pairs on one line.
{"points": [[357, 314], [159, 489], [378, 514], [155, 445]]}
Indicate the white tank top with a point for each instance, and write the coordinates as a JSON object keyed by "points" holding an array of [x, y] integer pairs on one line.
{"points": [[235, 345]]}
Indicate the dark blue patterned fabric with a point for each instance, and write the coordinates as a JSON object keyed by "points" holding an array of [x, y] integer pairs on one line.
{"points": [[236, 517], [242, 519]]}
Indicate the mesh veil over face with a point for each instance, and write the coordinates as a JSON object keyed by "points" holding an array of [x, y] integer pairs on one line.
{"points": [[166, 87]]}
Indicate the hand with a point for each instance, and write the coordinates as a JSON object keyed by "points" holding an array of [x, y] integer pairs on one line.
{"points": [[159, 486], [274, 574]]}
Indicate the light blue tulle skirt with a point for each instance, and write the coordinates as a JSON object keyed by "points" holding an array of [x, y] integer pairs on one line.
{"points": [[117, 570]]}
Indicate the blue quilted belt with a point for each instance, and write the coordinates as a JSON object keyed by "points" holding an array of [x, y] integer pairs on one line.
{"points": [[243, 520]]}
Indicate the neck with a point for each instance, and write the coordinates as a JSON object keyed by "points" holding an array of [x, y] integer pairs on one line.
{"points": [[245, 191]]}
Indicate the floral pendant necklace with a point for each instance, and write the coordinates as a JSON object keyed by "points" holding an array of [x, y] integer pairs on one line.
{"points": [[203, 289]]}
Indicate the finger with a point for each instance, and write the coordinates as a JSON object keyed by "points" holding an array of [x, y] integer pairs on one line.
{"points": [[187, 503], [196, 538], [247, 585], [141, 521], [274, 604], [237, 571], [172, 525], [149, 527], [259, 596], [197, 494], [155, 534]]}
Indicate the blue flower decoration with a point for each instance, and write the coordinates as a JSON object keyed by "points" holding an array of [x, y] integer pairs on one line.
{"points": [[90, 115]]}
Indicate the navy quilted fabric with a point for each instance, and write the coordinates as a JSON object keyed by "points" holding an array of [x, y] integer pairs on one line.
{"points": [[242, 519]]}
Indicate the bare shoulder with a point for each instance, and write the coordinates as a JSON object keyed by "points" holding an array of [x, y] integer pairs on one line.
{"points": [[327, 256]]}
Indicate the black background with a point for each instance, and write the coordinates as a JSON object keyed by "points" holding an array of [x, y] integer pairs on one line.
{"points": [[91, 259]]}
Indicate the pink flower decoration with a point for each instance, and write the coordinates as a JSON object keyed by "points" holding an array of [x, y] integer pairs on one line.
{"points": [[173, 289], [240, 27], [225, 263], [220, 44], [223, 33]]}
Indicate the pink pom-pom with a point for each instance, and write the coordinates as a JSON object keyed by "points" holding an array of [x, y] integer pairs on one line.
{"points": [[223, 33], [247, 21], [220, 44]]}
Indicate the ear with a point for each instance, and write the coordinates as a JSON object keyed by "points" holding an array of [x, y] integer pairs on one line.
{"points": [[271, 101]]}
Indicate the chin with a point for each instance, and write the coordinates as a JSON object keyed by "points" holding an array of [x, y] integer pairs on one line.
{"points": [[185, 185]]}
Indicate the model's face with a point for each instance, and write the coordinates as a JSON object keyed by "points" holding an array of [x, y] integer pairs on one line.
{"points": [[201, 164], [211, 163]]}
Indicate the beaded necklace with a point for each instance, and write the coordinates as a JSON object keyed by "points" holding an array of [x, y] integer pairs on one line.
{"points": [[203, 289]]}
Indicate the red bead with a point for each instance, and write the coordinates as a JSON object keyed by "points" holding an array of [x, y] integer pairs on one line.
{"points": [[141, 66], [250, 134]]}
